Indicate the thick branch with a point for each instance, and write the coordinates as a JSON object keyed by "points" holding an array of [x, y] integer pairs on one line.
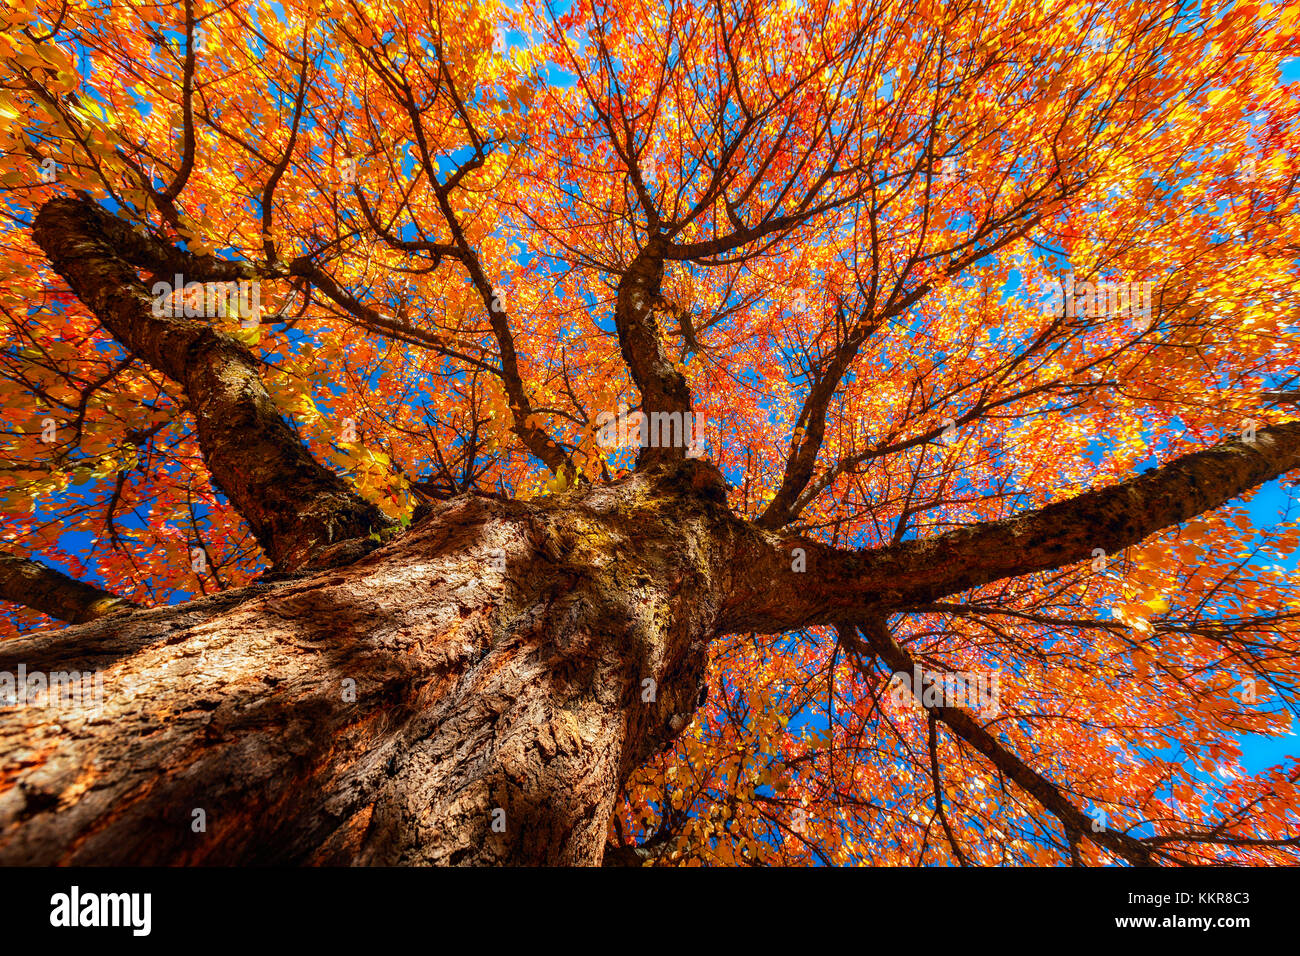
{"points": [[293, 505], [769, 595], [31, 584]]}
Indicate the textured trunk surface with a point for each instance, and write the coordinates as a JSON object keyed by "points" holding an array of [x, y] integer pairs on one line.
{"points": [[496, 712]]}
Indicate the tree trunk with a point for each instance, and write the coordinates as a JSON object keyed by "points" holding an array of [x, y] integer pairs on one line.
{"points": [[513, 663]]}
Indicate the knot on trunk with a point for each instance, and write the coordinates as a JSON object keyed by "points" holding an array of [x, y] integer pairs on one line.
{"points": [[694, 478]]}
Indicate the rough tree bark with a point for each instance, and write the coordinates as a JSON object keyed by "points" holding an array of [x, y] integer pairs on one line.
{"points": [[506, 656]]}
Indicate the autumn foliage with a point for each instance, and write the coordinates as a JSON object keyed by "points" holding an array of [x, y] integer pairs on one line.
{"points": [[858, 210]]}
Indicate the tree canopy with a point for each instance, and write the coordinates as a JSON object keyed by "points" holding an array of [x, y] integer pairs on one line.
{"points": [[1007, 289]]}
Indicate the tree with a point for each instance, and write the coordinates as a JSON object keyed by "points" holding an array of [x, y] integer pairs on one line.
{"points": [[647, 433]]}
